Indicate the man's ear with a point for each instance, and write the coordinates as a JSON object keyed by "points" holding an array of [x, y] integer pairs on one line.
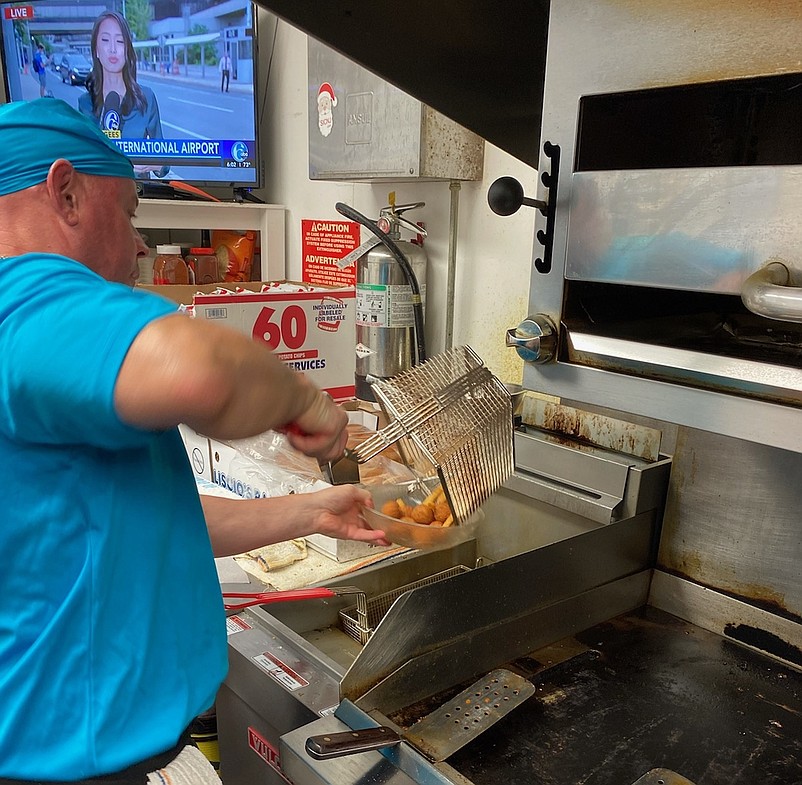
{"points": [[63, 190]]}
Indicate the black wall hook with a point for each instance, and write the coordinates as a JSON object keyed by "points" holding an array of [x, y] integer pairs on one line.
{"points": [[506, 196], [549, 180]]}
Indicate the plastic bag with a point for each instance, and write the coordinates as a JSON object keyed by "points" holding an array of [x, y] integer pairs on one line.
{"points": [[266, 465], [270, 462], [234, 251]]}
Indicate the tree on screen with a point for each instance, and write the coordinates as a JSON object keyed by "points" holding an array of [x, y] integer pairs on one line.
{"points": [[139, 14], [194, 50]]}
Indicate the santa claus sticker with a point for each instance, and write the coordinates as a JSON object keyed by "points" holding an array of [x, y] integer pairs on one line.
{"points": [[326, 101]]}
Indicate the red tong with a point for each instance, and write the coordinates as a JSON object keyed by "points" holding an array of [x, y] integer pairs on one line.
{"points": [[267, 597]]}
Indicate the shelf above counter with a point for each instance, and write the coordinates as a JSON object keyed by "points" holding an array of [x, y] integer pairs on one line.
{"points": [[267, 219]]}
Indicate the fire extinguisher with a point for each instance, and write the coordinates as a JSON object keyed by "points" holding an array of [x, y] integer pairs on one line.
{"points": [[390, 297]]}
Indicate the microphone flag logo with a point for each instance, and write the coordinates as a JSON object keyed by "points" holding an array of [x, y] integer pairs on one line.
{"points": [[239, 151], [111, 120]]}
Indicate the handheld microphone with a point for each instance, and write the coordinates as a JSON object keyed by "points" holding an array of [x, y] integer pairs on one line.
{"points": [[111, 121]]}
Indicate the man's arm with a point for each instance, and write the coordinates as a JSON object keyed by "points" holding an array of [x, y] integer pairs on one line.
{"points": [[240, 525], [224, 385]]}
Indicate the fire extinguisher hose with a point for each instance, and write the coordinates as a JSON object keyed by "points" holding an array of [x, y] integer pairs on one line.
{"points": [[406, 267]]}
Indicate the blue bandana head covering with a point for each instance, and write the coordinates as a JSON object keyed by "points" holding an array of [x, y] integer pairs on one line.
{"points": [[34, 134]]}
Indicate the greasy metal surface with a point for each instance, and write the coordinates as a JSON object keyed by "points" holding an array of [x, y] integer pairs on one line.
{"points": [[479, 648], [682, 228], [527, 524], [601, 485], [778, 382], [732, 520], [747, 419], [440, 734], [496, 597], [762, 629], [660, 694], [592, 428], [630, 46], [379, 578]]}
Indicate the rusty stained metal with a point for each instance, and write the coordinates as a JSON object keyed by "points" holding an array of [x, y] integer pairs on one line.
{"points": [[690, 566], [726, 31], [593, 429], [764, 641]]}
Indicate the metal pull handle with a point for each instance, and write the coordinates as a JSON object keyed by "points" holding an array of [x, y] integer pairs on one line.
{"points": [[770, 292], [334, 745], [535, 339]]}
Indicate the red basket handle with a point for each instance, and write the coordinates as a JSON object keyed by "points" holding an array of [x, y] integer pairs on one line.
{"points": [[267, 597]]}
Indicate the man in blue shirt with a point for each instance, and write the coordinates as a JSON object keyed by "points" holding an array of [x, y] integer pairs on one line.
{"points": [[105, 540], [40, 61]]}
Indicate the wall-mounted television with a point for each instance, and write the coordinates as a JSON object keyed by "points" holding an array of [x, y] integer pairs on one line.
{"points": [[172, 82]]}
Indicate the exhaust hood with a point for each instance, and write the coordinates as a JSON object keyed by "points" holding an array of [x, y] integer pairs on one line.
{"points": [[479, 63]]}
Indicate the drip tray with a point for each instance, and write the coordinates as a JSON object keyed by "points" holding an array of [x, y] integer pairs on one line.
{"points": [[642, 693]]}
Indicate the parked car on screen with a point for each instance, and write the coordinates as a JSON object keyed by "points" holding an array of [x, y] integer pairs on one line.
{"points": [[74, 68], [55, 59], [57, 55]]}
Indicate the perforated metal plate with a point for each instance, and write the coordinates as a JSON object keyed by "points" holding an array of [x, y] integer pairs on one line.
{"points": [[460, 720]]}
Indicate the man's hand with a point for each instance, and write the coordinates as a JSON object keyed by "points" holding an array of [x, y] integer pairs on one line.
{"points": [[320, 431], [240, 525], [337, 512]]}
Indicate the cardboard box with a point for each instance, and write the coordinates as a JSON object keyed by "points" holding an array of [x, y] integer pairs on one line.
{"points": [[365, 413], [344, 550], [311, 331], [198, 451], [183, 293]]}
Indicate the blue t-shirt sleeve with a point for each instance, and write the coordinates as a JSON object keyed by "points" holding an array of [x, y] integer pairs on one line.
{"points": [[64, 334]]}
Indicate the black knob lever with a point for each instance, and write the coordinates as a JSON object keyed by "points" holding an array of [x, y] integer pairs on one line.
{"points": [[506, 195]]}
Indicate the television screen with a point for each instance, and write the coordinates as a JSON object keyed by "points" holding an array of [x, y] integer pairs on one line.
{"points": [[171, 82]]}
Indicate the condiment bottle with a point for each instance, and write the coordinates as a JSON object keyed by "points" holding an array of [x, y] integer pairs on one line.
{"points": [[204, 261], [170, 266]]}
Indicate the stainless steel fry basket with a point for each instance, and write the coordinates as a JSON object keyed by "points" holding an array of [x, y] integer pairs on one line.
{"points": [[361, 619], [451, 416]]}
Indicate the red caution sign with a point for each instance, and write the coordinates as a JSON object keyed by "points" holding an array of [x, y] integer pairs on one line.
{"points": [[324, 244]]}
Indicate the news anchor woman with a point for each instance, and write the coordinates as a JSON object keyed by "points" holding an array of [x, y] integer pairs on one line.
{"points": [[113, 88]]}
